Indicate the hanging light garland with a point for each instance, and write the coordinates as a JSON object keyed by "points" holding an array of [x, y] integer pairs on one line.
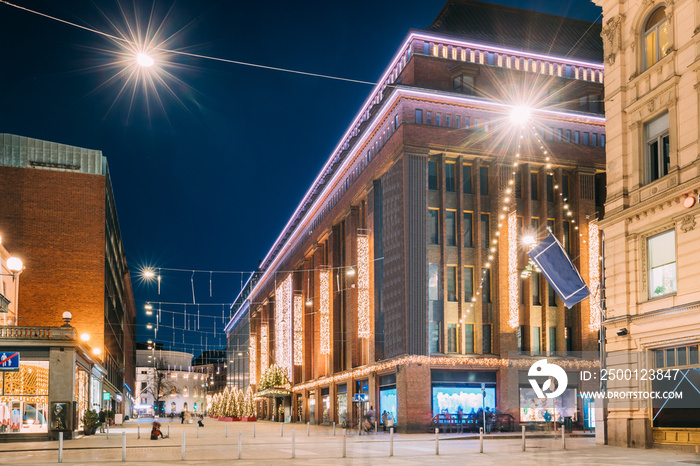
{"points": [[283, 321], [324, 309], [594, 276], [263, 347], [513, 286], [298, 331], [363, 311], [252, 355]]}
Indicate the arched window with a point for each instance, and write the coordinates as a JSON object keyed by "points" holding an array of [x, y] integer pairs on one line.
{"points": [[172, 407], [173, 391], [655, 37], [185, 391], [185, 407]]}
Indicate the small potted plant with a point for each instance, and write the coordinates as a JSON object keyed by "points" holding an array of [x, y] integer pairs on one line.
{"points": [[91, 421]]}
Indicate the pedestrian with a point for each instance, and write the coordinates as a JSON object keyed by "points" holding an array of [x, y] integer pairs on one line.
{"points": [[384, 418], [102, 418], [199, 422], [155, 431], [389, 421], [182, 417]]}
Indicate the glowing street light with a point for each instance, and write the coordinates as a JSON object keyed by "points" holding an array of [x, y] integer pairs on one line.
{"points": [[149, 274], [528, 240], [15, 264], [85, 337], [520, 115], [350, 272], [149, 326], [144, 60]]}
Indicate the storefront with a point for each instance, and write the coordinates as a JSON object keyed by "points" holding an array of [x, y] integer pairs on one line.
{"points": [[361, 388], [467, 392], [82, 394], [24, 398], [326, 405], [341, 407], [387, 398], [312, 407]]}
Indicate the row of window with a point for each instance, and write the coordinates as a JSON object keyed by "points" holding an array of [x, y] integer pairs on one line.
{"points": [[469, 347], [435, 284], [536, 344], [680, 356]]}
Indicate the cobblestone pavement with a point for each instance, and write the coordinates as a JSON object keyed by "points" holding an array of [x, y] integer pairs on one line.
{"points": [[322, 448]]}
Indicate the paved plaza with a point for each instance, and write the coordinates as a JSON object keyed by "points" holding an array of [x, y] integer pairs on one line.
{"points": [[320, 447]]}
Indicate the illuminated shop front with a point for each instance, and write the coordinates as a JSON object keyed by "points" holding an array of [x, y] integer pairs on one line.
{"points": [[342, 403], [24, 398], [453, 391], [387, 397], [326, 404]]}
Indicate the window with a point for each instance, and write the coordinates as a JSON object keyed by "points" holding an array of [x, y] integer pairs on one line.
{"points": [[469, 338], [486, 339], [534, 186], [521, 340], [567, 237], [185, 391], [484, 181], [551, 296], [463, 84], [658, 160], [594, 139], [452, 338], [560, 133], [535, 340], [602, 140], [458, 121], [468, 283], [450, 227], [467, 179], [485, 229], [429, 118], [419, 116], [536, 288], [568, 133], [662, 264], [448, 120], [552, 339], [550, 188], [451, 283], [577, 137], [450, 177], [438, 119], [432, 175], [565, 186], [467, 121], [586, 140], [655, 38], [433, 282], [486, 286], [433, 226], [468, 233]]}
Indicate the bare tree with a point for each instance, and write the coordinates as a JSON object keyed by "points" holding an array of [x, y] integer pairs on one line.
{"points": [[161, 385]]}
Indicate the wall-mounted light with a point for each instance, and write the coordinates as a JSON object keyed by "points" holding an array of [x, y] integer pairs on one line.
{"points": [[622, 332]]}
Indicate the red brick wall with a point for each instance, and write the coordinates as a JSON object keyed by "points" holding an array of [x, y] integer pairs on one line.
{"points": [[55, 222]]}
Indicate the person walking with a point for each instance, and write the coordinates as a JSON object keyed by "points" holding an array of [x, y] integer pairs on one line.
{"points": [[384, 417], [182, 417], [103, 419]]}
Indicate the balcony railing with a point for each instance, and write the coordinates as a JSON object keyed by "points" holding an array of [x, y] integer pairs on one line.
{"points": [[39, 333]]}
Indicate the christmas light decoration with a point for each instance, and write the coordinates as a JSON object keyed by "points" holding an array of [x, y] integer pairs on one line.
{"points": [[298, 334], [263, 347], [325, 291], [513, 301], [252, 357], [363, 326], [594, 276], [283, 322]]}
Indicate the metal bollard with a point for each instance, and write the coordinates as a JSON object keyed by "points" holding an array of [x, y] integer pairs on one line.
{"points": [[333, 428], [345, 438], [282, 430], [375, 428], [60, 447], [123, 447], [198, 430], [138, 429], [294, 453], [437, 442], [107, 429], [227, 429], [308, 429], [481, 439], [183, 445], [391, 442], [168, 429], [240, 445], [563, 438], [523, 438], [253, 430]]}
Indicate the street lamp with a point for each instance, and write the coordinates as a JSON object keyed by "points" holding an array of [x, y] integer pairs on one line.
{"points": [[14, 265]]}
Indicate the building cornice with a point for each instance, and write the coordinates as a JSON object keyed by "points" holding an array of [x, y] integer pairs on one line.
{"points": [[681, 309]]}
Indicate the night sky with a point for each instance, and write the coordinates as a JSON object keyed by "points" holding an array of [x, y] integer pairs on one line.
{"points": [[205, 175]]}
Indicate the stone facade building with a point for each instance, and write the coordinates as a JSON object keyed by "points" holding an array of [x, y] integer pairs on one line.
{"points": [[652, 69], [398, 277]]}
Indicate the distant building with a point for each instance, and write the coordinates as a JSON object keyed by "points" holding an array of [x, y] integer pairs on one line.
{"points": [[238, 340], [59, 217], [398, 277], [652, 259]]}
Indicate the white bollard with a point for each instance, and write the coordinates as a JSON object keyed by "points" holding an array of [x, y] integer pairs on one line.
{"points": [[391, 442], [183, 445], [523, 427], [253, 430], [60, 447], [138, 429], [240, 445], [198, 430], [437, 444], [168, 429], [308, 429], [123, 447], [333, 428], [282, 430], [294, 453], [481, 439], [227, 429], [345, 438], [107, 429], [563, 438], [375, 427]]}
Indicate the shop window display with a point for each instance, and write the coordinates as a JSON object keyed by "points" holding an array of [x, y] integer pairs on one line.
{"points": [[24, 398]]}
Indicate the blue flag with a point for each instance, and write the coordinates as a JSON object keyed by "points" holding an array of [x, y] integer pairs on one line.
{"points": [[560, 272]]}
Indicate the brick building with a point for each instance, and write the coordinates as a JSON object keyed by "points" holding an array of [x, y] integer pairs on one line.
{"points": [[60, 218], [398, 276]]}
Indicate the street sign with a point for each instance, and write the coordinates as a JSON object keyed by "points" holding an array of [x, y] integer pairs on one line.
{"points": [[9, 361], [360, 397]]}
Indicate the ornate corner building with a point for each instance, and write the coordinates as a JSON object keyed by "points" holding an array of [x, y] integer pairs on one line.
{"points": [[400, 274], [653, 179]]}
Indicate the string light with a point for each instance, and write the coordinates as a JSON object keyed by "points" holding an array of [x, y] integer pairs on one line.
{"points": [[263, 348], [363, 311], [252, 356], [594, 277], [324, 283], [298, 332], [513, 288], [283, 314]]}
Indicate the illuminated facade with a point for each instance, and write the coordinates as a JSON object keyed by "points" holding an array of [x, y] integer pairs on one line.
{"points": [[396, 249], [651, 257]]}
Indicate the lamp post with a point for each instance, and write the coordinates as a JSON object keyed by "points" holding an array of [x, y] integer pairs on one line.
{"points": [[14, 264]]}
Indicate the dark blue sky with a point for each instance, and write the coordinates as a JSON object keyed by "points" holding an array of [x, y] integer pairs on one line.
{"points": [[207, 181]]}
